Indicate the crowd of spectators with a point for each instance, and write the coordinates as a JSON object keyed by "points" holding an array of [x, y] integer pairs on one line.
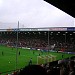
{"points": [[39, 41]]}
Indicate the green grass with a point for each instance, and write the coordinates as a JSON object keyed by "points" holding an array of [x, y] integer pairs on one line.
{"points": [[22, 59]]}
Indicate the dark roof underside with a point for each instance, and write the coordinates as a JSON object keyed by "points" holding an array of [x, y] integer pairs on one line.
{"points": [[67, 6]]}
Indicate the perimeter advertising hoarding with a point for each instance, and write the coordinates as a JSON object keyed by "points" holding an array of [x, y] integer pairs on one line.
{"points": [[35, 29], [42, 29], [57, 29], [3, 30], [71, 29]]}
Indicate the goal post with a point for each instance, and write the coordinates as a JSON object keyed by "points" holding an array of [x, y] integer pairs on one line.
{"points": [[40, 60], [53, 57], [45, 59]]}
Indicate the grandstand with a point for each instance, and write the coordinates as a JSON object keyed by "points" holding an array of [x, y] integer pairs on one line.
{"points": [[50, 43], [43, 43]]}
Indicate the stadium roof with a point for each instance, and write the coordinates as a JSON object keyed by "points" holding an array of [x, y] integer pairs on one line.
{"points": [[66, 5], [32, 14]]}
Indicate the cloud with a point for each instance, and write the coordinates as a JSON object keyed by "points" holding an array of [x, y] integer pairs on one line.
{"points": [[33, 13]]}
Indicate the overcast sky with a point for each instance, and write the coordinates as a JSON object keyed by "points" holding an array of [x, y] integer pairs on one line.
{"points": [[31, 14]]}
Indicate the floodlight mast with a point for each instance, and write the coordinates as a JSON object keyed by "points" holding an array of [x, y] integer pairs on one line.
{"points": [[48, 42], [17, 46]]}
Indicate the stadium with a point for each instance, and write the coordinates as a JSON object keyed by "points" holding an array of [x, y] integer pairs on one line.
{"points": [[43, 45], [43, 40]]}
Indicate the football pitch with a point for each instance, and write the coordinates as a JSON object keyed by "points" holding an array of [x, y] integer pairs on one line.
{"points": [[11, 59]]}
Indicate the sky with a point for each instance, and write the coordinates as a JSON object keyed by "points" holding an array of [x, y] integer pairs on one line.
{"points": [[32, 14]]}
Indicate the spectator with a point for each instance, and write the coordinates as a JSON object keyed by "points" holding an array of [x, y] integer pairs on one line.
{"points": [[33, 70], [71, 67], [63, 69]]}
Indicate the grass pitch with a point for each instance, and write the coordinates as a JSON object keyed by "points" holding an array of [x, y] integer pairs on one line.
{"points": [[8, 57]]}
